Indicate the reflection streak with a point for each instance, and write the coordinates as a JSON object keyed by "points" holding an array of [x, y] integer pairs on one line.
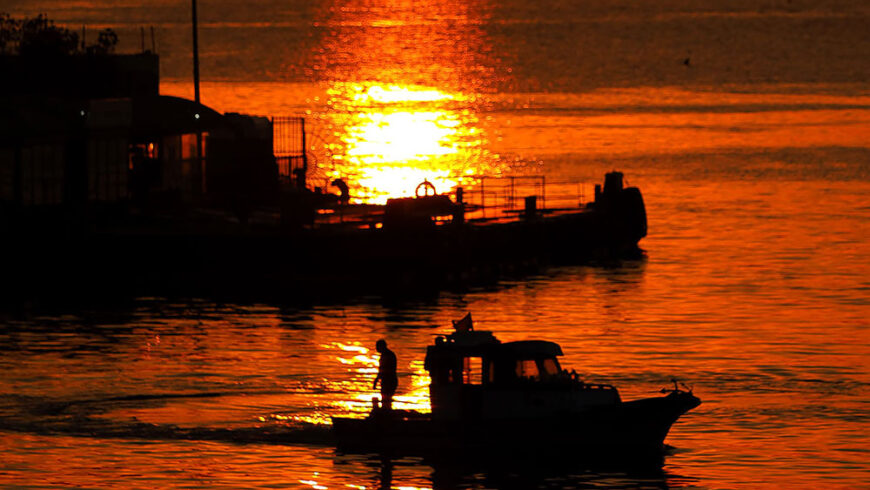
{"points": [[362, 368], [403, 82], [392, 137]]}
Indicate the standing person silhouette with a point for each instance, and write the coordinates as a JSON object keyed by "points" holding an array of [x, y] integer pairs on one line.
{"points": [[386, 374]]}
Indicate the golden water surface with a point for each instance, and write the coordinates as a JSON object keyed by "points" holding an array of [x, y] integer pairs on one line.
{"points": [[753, 159]]}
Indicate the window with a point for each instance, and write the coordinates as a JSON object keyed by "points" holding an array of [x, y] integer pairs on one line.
{"points": [[107, 169], [527, 369], [549, 367], [42, 179], [472, 370]]}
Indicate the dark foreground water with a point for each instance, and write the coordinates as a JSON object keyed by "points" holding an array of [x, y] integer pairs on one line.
{"points": [[745, 124]]}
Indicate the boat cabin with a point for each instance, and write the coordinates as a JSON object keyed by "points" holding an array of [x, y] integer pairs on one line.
{"points": [[476, 376]]}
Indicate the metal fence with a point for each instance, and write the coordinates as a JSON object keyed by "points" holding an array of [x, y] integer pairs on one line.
{"points": [[505, 197], [288, 143]]}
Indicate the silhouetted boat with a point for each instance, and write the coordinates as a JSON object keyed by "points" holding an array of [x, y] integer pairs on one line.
{"points": [[514, 396]]}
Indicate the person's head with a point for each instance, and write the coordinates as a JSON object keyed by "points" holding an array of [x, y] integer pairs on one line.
{"points": [[381, 345]]}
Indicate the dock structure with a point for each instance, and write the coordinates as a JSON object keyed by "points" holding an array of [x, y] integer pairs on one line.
{"points": [[199, 255], [108, 186]]}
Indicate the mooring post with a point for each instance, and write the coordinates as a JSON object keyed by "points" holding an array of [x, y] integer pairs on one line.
{"points": [[531, 206], [482, 197], [459, 210], [304, 148]]}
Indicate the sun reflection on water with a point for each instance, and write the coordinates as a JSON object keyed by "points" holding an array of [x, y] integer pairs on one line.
{"points": [[390, 138], [397, 93], [356, 359], [400, 136]]}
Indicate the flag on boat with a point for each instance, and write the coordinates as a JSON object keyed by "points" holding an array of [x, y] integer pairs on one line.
{"points": [[463, 325]]}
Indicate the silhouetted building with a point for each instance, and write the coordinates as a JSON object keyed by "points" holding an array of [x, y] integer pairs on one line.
{"points": [[81, 76], [83, 133]]}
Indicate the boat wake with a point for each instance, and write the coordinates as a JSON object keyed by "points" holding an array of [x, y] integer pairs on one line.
{"points": [[91, 418]]}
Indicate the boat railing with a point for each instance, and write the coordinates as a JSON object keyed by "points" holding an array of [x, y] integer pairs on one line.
{"points": [[573, 379], [504, 198], [597, 386], [486, 199]]}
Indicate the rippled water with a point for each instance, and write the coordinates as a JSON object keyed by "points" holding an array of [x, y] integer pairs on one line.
{"points": [[755, 167], [753, 293]]}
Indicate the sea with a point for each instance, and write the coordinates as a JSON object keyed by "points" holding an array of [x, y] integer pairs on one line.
{"points": [[745, 123]]}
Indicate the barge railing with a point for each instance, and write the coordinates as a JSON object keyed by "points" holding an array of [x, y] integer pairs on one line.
{"points": [[487, 200], [499, 198]]}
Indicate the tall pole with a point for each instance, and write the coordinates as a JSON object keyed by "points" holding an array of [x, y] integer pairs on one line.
{"points": [[199, 158], [195, 54]]}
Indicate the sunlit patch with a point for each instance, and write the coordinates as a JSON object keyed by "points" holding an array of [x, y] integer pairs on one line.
{"points": [[418, 402], [348, 348], [393, 181], [313, 484], [315, 419], [416, 397], [367, 362], [360, 359], [401, 137], [358, 401], [361, 403], [393, 137], [395, 93]]}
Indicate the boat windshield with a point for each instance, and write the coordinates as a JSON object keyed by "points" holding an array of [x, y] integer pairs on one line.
{"points": [[549, 367], [527, 369], [537, 369]]}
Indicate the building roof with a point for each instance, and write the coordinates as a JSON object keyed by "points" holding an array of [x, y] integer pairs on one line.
{"points": [[164, 114], [532, 348]]}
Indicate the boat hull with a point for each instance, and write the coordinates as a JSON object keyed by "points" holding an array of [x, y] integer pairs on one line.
{"points": [[638, 426]]}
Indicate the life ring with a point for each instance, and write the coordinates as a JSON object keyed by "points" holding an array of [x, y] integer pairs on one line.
{"points": [[424, 189]]}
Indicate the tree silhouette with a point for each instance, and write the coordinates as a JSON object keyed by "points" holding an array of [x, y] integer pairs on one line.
{"points": [[10, 32], [106, 42], [39, 37]]}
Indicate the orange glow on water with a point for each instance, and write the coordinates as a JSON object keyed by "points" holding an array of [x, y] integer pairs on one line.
{"points": [[404, 82], [754, 289], [391, 138], [397, 93], [400, 137], [363, 365], [387, 182]]}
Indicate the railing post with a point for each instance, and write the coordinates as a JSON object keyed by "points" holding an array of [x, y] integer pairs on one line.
{"points": [[304, 147], [483, 196], [543, 193]]}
